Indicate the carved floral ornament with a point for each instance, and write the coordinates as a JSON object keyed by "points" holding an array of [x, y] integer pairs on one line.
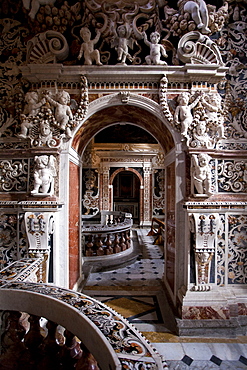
{"points": [[103, 30]]}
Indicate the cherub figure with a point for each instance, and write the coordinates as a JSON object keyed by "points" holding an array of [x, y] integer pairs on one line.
{"points": [[31, 109], [63, 112], [156, 49], [214, 113], [201, 173], [199, 13], [44, 172], [183, 112], [32, 103], [87, 47], [122, 42]]}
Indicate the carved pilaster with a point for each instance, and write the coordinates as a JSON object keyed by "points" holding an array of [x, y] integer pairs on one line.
{"points": [[147, 179], [104, 188], [204, 227], [39, 228]]}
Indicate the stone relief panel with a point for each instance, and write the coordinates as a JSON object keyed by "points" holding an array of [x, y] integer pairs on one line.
{"points": [[93, 32], [232, 176], [47, 118], [13, 241], [237, 249], [14, 175], [159, 192], [90, 191], [232, 45], [221, 252]]}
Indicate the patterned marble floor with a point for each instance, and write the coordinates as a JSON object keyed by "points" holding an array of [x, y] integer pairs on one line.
{"points": [[136, 292]]}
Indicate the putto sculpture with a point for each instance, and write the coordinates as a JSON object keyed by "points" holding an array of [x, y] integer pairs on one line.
{"points": [[183, 112], [44, 173], [121, 41], [156, 50], [201, 174], [63, 112], [87, 47]]}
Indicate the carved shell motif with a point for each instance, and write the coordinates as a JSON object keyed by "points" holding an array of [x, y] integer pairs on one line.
{"points": [[47, 47], [196, 48]]}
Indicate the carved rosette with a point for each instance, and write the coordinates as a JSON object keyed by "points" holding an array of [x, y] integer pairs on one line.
{"points": [[204, 227]]}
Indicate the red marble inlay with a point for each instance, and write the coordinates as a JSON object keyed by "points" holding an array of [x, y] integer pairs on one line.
{"points": [[74, 224], [170, 226], [205, 313]]}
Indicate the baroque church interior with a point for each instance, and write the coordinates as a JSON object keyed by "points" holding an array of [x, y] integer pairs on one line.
{"points": [[123, 181]]}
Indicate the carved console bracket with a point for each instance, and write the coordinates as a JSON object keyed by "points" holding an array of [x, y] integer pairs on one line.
{"points": [[39, 228], [204, 227]]}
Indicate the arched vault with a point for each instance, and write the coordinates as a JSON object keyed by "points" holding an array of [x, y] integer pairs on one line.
{"points": [[123, 113]]}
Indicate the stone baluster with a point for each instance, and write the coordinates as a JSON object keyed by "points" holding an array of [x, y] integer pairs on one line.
{"points": [[99, 246], [122, 242], [116, 247], [50, 350], [108, 249], [13, 349], [127, 239], [71, 351], [89, 246], [87, 361], [33, 339]]}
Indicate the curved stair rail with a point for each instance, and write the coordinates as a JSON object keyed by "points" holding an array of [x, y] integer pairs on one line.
{"points": [[112, 340]]}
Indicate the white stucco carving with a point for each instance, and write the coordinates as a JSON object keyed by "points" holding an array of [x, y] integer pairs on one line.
{"points": [[44, 173], [156, 50], [183, 113], [204, 227], [199, 14], [201, 174], [196, 48], [122, 41], [214, 113], [87, 47]]}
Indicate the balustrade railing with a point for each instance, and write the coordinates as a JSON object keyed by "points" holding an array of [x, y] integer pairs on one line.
{"points": [[110, 236], [25, 344], [101, 339]]}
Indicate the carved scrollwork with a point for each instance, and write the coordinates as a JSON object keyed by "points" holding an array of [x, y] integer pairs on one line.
{"points": [[13, 175], [196, 48], [232, 176], [47, 47]]}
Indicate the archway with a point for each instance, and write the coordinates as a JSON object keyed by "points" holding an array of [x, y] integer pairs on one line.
{"points": [[149, 117], [127, 192]]}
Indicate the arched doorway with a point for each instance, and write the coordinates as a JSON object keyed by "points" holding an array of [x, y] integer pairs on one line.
{"points": [[127, 195], [106, 112]]}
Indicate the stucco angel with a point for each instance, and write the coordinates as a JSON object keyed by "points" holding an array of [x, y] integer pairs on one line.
{"points": [[122, 40], [44, 173], [201, 173]]}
